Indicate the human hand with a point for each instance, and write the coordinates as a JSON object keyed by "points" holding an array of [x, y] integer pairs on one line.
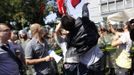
{"points": [[48, 58]]}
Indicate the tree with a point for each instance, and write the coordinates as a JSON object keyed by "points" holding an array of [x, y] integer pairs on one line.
{"points": [[24, 12], [8, 8], [34, 10]]}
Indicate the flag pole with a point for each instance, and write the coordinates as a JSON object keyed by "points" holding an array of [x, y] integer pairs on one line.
{"points": [[65, 3]]}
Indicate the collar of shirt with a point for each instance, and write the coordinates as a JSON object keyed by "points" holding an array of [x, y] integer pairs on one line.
{"points": [[37, 41], [6, 45]]}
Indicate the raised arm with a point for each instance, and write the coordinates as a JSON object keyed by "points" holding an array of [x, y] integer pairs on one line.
{"points": [[58, 27]]}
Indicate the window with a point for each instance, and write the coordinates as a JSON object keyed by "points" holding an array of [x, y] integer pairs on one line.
{"points": [[108, 6]]}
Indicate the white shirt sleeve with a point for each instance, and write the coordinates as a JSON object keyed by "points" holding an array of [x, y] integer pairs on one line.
{"points": [[123, 38]]}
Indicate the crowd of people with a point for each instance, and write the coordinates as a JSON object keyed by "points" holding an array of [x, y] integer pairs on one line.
{"points": [[28, 52]]}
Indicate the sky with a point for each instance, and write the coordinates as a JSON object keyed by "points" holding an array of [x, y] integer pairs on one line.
{"points": [[50, 18], [77, 11]]}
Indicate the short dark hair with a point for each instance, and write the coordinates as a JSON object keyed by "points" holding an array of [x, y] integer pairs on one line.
{"points": [[67, 22], [131, 22], [6, 25]]}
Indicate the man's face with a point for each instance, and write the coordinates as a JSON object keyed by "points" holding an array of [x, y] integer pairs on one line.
{"points": [[14, 36], [42, 32], [5, 32]]}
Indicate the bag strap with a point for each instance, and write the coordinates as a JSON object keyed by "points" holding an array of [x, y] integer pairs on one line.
{"points": [[15, 58]]}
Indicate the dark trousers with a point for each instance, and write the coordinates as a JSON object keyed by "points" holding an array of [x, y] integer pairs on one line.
{"points": [[81, 69], [71, 69], [95, 69], [121, 71]]}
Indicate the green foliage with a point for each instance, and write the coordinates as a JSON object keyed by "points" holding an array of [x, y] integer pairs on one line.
{"points": [[22, 11], [58, 51], [8, 8]]}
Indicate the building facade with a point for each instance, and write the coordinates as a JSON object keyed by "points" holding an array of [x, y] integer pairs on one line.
{"points": [[100, 9]]}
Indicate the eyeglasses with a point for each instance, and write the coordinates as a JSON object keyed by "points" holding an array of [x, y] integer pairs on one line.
{"points": [[6, 30]]}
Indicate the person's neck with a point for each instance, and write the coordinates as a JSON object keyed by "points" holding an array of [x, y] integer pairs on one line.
{"points": [[38, 38], [125, 30], [2, 41]]}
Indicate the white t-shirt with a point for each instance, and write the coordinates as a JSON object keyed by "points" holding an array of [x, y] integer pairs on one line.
{"points": [[62, 44], [126, 41], [123, 59]]}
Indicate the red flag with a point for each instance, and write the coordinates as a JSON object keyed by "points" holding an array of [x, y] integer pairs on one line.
{"points": [[42, 8], [61, 7], [75, 2]]}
